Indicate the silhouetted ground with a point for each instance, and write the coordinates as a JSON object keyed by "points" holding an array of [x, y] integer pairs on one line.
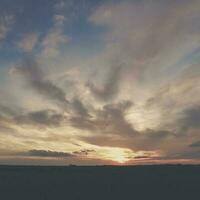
{"points": [[171, 182]]}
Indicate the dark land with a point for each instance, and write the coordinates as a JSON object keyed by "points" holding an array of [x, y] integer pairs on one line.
{"points": [[171, 182]]}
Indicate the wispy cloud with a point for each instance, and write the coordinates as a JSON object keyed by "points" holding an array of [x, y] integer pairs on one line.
{"points": [[6, 22], [55, 37], [111, 87], [29, 68], [28, 42], [46, 118]]}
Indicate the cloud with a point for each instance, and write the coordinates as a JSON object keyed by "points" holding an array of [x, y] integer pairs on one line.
{"points": [[7, 112], [147, 140], [154, 139], [109, 127], [111, 87], [191, 118], [79, 108], [6, 22], [5, 129], [84, 152], [52, 42], [110, 119], [47, 118], [188, 155], [28, 42], [82, 123], [6, 121], [142, 157], [177, 110], [29, 68], [55, 38], [45, 153], [59, 20], [57, 154], [59, 5], [114, 117], [150, 36], [10, 119], [195, 144]]}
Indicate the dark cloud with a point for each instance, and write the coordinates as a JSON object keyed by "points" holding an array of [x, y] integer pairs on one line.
{"points": [[45, 153], [159, 97], [114, 116], [111, 87], [57, 154], [109, 127], [195, 144], [109, 119], [191, 118], [158, 134], [152, 139], [84, 152], [79, 108], [187, 155], [140, 141], [142, 157], [41, 118], [8, 113], [36, 79], [82, 123]]}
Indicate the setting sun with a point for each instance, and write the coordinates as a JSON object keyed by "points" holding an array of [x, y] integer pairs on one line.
{"points": [[118, 155], [120, 158]]}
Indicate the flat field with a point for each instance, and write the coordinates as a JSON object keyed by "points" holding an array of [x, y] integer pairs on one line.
{"points": [[171, 182]]}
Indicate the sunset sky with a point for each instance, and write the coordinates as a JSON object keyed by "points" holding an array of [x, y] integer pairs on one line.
{"points": [[97, 82]]}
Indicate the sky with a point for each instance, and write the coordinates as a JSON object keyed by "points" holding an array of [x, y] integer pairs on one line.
{"points": [[99, 82]]}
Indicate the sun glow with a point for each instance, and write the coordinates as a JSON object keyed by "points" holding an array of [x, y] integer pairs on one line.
{"points": [[120, 158], [118, 155], [123, 155]]}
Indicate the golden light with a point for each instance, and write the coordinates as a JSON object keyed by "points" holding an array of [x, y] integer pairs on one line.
{"points": [[122, 155], [120, 158], [118, 155]]}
